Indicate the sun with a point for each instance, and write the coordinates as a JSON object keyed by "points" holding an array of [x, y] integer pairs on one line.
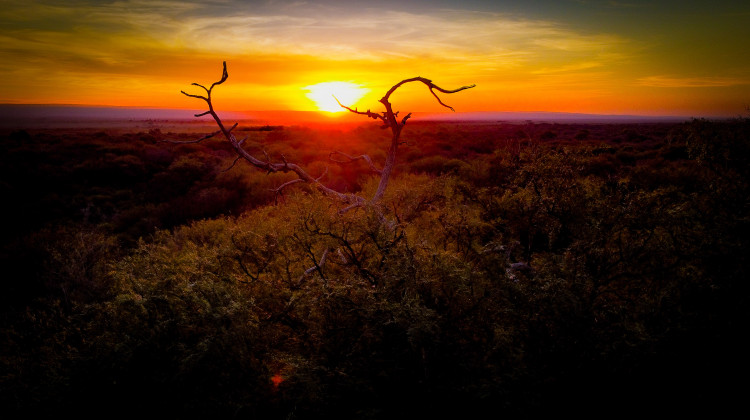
{"points": [[325, 94]]}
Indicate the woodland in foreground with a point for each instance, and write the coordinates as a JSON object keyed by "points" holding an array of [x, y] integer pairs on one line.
{"points": [[515, 270]]}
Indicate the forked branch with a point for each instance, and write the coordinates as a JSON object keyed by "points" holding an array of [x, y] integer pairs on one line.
{"points": [[349, 159], [267, 165], [433, 87], [368, 113], [387, 117]]}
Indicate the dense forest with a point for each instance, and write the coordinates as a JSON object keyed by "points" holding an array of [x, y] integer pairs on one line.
{"points": [[512, 270]]}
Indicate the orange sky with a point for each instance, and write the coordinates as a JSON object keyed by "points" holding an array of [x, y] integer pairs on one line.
{"points": [[676, 58]]}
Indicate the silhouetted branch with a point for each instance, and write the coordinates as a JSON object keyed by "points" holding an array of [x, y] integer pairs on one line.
{"points": [[278, 189], [430, 85], [317, 267], [388, 118], [232, 165], [349, 158], [368, 113], [224, 77], [195, 96], [267, 166], [206, 137], [296, 180]]}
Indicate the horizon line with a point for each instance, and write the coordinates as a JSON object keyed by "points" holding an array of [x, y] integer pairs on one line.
{"points": [[51, 112]]}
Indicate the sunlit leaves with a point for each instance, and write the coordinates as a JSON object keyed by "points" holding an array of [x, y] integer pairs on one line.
{"points": [[552, 269]]}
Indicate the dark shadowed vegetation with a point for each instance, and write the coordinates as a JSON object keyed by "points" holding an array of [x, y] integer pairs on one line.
{"points": [[518, 270]]}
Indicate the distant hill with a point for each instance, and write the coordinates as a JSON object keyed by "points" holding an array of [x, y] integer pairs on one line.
{"points": [[12, 115], [559, 117]]}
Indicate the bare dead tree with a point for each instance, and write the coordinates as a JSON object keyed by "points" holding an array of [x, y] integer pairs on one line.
{"points": [[388, 117], [390, 120]]}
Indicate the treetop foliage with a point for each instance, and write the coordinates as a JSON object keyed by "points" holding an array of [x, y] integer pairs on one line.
{"points": [[504, 271]]}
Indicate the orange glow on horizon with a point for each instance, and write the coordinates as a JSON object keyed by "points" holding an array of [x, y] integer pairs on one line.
{"points": [[296, 59]]}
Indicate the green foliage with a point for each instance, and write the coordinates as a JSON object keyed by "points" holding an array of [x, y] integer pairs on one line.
{"points": [[566, 274]]}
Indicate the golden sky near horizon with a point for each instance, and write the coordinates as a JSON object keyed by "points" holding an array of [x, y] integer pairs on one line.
{"points": [[631, 57]]}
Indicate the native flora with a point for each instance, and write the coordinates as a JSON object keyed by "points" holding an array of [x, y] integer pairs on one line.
{"points": [[503, 270]]}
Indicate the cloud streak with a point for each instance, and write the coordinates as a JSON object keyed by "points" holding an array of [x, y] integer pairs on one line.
{"points": [[131, 25], [280, 46]]}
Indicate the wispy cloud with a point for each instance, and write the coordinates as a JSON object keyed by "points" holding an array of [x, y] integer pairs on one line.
{"points": [[108, 49], [307, 29]]}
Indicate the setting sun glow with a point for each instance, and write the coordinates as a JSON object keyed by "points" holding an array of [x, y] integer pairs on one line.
{"points": [[635, 57], [325, 94]]}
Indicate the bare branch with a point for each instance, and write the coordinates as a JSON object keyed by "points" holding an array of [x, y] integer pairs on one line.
{"points": [[388, 118], [317, 267], [278, 189], [430, 85], [194, 96], [439, 101], [224, 77], [200, 86], [349, 158], [373, 115], [342, 257], [206, 137], [451, 90], [350, 207], [322, 175], [245, 270], [232, 165]]}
